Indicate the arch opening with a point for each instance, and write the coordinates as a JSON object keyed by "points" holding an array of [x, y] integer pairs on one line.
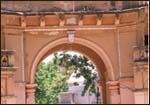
{"points": [[87, 48], [65, 79], [80, 45]]}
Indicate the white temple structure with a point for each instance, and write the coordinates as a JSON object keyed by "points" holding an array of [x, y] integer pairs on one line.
{"points": [[75, 87]]}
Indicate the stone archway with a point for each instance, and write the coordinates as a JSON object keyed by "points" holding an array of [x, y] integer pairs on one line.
{"points": [[79, 41], [35, 34], [80, 46]]}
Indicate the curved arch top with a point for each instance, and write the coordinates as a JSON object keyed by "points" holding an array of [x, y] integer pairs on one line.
{"points": [[77, 40]]}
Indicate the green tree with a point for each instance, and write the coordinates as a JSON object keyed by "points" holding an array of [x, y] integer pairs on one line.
{"points": [[81, 65], [51, 78], [50, 82]]}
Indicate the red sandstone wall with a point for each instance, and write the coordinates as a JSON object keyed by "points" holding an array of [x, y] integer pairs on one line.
{"points": [[130, 31]]}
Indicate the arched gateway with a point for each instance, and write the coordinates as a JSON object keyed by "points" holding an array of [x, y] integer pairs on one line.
{"points": [[87, 48], [83, 46], [112, 40]]}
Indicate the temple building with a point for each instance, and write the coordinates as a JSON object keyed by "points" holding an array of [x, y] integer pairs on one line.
{"points": [[112, 34]]}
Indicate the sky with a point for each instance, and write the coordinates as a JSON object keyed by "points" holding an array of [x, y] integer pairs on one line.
{"points": [[50, 57]]}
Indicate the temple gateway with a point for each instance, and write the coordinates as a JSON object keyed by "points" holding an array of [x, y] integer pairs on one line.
{"points": [[112, 34]]}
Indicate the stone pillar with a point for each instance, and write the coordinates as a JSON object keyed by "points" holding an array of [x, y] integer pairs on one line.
{"points": [[30, 92], [141, 82], [141, 97], [102, 91], [101, 94], [127, 90], [113, 88], [20, 92], [7, 86], [7, 77]]}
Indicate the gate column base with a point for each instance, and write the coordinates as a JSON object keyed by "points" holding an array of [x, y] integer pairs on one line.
{"points": [[114, 90], [30, 92]]}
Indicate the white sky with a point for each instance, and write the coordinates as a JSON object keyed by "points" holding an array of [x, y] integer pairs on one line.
{"points": [[49, 58]]}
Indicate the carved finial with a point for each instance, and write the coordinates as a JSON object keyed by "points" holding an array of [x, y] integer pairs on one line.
{"points": [[61, 16], [117, 21], [99, 19], [80, 20], [23, 21], [80, 16], [42, 21], [99, 16]]}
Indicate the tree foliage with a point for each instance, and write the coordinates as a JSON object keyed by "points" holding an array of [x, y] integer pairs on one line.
{"points": [[51, 78], [50, 82], [82, 66]]}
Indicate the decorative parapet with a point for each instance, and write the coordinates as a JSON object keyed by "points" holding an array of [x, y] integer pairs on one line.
{"points": [[140, 53], [29, 7], [7, 59], [49, 19]]}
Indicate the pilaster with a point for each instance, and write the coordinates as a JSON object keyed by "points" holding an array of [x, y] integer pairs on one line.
{"points": [[30, 92], [113, 88]]}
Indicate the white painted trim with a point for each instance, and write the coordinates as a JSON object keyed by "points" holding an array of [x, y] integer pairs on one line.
{"points": [[22, 56], [119, 53], [65, 29]]}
